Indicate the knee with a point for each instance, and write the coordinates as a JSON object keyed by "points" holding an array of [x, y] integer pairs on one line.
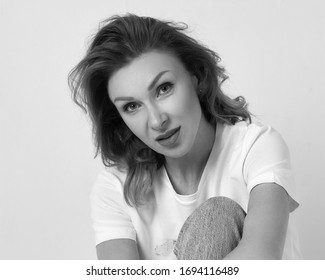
{"points": [[212, 231], [217, 201], [216, 212], [222, 206]]}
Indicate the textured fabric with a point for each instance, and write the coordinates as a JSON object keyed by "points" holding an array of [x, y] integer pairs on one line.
{"points": [[212, 231], [243, 156]]}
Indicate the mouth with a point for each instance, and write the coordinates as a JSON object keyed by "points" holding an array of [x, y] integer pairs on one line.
{"points": [[168, 134], [169, 137]]}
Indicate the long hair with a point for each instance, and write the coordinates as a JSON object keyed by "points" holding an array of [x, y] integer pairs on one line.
{"points": [[121, 39]]}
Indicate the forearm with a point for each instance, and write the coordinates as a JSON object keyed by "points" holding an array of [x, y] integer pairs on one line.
{"points": [[265, 225], [118, 249], [254, 252]]}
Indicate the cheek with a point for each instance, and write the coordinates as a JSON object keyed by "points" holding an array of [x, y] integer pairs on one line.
{"points": [[136, 125], [186, 104], [133, 125]]}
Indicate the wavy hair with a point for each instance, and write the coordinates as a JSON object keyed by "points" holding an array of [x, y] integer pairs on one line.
{"points": [[119, 40]]}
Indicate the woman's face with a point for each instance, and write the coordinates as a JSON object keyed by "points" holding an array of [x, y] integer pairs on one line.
{"points": [[157, 99]]}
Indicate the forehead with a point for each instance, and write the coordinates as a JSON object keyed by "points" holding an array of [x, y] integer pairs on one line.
{"points": [[139, 73]]}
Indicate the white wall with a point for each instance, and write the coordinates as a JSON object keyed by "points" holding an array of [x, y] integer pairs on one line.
{"points": [[274, 54]]}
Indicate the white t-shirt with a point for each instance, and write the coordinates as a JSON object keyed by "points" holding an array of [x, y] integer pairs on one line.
{"points": [[243, 156]]}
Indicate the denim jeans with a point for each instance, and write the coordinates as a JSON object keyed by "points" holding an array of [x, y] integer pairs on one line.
{"points": [[212, 231]]}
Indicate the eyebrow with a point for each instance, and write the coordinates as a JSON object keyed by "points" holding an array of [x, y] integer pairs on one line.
{"points": [[123, 99], [156, 79], [150, 87]]}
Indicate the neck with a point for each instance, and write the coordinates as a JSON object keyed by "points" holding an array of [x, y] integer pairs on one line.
{"points": [[185, 172]]}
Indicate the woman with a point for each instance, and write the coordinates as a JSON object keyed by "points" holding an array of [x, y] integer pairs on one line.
{"points": [[187, 175]]}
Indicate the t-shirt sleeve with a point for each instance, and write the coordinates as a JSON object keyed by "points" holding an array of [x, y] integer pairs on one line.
{"points": [[268, 161], [109, 212]]}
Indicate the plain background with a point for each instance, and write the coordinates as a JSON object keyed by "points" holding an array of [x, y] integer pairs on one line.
{"points": [[273, 52]]}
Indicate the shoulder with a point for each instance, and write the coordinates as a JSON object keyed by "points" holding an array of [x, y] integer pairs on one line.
{"points": [[247, 135], [112, 174], [109, 182], [256, 131], [263, 141], [250, 130], [260, 146]]}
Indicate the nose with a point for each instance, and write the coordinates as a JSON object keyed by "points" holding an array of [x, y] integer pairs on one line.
{"points": [[157, 120]]}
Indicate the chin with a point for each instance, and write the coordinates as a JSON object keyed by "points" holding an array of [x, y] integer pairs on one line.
{"points": [[176, 153]]}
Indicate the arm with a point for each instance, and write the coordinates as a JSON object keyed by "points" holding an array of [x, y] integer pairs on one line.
{"points": [[265, 225], [114, 231], [117, 249]]}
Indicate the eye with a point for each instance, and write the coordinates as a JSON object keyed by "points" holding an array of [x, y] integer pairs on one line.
{"points": [[164, 89], [130, 107]]}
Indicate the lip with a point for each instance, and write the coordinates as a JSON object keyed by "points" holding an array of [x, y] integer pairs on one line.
{"points": [[169, 138], [168, 134]]}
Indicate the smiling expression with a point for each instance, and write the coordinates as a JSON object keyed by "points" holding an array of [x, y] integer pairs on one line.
{"points": [[157, 99]]}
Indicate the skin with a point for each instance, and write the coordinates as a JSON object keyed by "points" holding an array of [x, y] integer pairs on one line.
{"points": [[265, 225], [154, 94], [165, 105]]}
